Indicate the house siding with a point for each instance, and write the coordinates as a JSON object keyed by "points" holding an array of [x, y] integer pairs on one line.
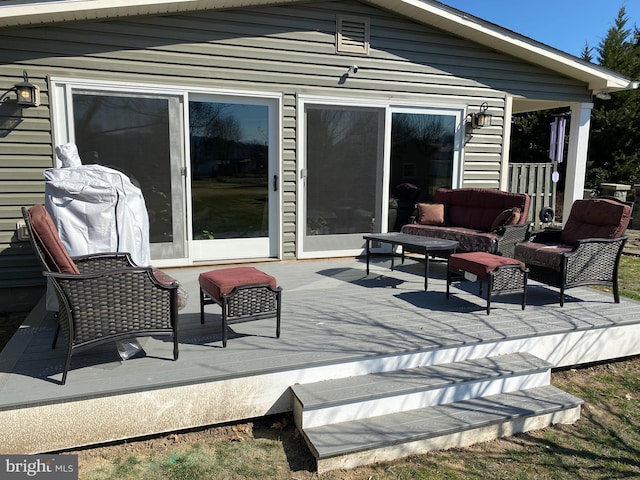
{"points": [[285, 49]]}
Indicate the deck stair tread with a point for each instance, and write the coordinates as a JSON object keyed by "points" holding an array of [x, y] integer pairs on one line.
{"points": [[373, 386], [378, 432]]}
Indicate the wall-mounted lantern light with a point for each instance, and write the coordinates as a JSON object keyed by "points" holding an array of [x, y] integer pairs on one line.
{"points": [[482, 118], [28, 94]]}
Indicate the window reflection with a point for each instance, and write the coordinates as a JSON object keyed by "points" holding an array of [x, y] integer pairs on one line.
{"points": [[422, 152]]}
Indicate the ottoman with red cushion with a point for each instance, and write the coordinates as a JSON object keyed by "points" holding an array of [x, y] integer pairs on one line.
{"points": [[244, 293], [502, 274]]}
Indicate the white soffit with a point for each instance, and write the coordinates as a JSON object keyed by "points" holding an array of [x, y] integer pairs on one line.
{"points": [[429, 12]]}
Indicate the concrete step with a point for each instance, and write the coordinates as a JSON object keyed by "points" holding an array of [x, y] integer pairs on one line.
{"points": [[354, 398], [458, 424]]}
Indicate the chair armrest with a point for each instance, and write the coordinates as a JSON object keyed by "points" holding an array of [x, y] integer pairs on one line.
{"points": [[100, 262], [118, 272], [601, 245], [509, 236]]}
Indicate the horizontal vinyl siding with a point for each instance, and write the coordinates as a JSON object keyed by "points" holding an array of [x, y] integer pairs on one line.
{"points": [[25, 151], [285, 49]]}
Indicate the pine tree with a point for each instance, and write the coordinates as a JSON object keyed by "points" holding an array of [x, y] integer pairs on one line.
{"points": [[614, 147]]}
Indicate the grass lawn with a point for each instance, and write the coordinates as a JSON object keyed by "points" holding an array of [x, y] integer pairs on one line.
{"points": [[603, 444]]}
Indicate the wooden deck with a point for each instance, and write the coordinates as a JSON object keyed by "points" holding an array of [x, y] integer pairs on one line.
{"points": [[336, 322]]}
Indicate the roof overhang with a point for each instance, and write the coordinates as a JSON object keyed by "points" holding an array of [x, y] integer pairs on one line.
{"points": [[467, 26], [429, 12]]}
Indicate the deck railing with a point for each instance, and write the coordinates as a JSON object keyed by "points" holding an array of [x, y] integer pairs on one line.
{"points": [[534, 179]]}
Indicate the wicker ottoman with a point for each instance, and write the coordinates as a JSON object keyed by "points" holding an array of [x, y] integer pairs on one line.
{"points": [[244, 293], [502, 274]]}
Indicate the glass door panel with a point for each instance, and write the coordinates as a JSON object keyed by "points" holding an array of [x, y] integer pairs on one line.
{"points": [[231, 179], [140, 136], [343, 174], [423, 149]]}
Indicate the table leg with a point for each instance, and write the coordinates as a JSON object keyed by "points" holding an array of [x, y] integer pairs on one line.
{"points": [[393, 255], [368, 246], [426, 268]]}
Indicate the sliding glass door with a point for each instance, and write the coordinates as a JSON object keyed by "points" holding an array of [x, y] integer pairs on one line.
{"points": [[234, 179], [342, 173], [365, 168]]}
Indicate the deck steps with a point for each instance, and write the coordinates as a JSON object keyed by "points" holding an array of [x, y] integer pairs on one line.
{"points": [[359, 420]]}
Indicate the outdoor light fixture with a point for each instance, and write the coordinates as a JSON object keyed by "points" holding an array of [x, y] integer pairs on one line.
{"points": [[28, 94], [481, 119]]}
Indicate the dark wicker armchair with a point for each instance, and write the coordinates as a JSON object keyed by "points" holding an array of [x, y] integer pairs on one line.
{"points": [[102, 297], [585, 252]]}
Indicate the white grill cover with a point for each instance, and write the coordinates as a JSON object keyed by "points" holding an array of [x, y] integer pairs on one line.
{"points": [[97, 209]]}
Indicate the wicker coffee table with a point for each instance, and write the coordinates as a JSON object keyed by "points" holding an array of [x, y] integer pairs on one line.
{"points": [[416, 243]]}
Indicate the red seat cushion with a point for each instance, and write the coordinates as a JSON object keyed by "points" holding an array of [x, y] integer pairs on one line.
{"points": [[480, 263], [542, 254], [221, 282], [56, 254]]}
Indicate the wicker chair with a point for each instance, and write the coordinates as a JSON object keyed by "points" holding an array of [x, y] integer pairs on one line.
{"points": [[585, 252], [102, 297]]}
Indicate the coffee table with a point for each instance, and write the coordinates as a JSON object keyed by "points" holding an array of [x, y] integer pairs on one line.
{"points": [[417, 243]]}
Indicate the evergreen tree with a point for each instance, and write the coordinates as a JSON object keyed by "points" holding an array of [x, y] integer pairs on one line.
{"points": [[614, 147]]}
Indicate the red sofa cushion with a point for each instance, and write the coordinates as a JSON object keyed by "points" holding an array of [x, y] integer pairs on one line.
{"points": [[477, 208], [469, 240]]}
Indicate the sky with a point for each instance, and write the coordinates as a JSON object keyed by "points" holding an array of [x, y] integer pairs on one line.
{"points": [[562, 24]]}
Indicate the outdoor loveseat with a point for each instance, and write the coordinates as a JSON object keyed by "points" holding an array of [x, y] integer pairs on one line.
{"points": [[585, 252], [480, 219], [102, 297]]}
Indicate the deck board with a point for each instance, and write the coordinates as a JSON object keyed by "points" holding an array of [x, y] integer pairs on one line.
{"points": [[331, 312]]}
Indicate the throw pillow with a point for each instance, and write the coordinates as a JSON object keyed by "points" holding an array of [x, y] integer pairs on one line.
{"points": [[510, 216], [430, 214]]}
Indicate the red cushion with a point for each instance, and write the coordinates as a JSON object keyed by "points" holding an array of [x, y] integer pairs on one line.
{"points": [[56, 254], [542, 254], [480, 263], [595, 218], [221, 282], [477, 208], [430, 214]]}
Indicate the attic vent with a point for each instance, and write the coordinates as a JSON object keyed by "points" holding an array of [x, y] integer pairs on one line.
{"points": [[352, 34]]}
